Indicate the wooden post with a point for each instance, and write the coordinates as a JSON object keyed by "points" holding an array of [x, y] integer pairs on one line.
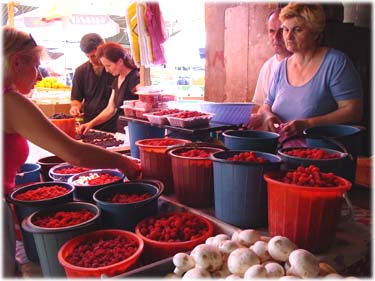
{"points": [[11, 13], [145, 76]]}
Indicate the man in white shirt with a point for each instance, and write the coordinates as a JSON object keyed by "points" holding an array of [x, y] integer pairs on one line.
{"points": [[275, 37]]}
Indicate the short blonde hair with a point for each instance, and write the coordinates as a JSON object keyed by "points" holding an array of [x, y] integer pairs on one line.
{"points": [[18, 42], [312, 14]]}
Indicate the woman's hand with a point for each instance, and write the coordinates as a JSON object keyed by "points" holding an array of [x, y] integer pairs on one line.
{"points": [[294, 127], [84, 128], [272, 123], [132, 168]]}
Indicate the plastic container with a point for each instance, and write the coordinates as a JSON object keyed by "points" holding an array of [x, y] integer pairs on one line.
{"points": [[128, 110], [140, 131], [73, 271], [85, 192], [127, 215], [228, 113], [24, 208], [251, 140], [337, 137], [29, 172], [56, 176], [67, 125], [156, 164], [308, 216], [197, 121], [157, 250], [46, 164], [193, 178], [49, 240], [240, 190], [340, 166]]}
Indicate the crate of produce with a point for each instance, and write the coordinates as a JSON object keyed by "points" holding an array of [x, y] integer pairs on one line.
{"points": [[229, 113], [128, 110], [160, 117], [188, 119]]}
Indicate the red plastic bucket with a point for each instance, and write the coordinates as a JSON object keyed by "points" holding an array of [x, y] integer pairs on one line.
{"points": [[156, 164], [308, 216], [193, 177]]}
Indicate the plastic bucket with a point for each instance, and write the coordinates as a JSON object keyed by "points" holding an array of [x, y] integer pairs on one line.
{"points": [[46, 164], [340, 166], [73, 271], [85, 192], [67, 125], [24, 208], [228, 113], [334, 137], [308, 216], [140, 131], [157, 250], [29, 172], [251, 140], [156, 164], [193, 177], [127, 215], [240, 190], [49, 240], [55, 175]]}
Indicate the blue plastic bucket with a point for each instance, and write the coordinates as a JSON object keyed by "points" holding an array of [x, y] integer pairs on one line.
{"points": [[331, 136], [29, 172], [127, 215], [24, 208], [140, 131], [251, 140], [49, 240], [240, 191]]}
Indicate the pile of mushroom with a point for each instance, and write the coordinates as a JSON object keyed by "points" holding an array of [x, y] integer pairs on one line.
{"points": [[248, 255]]}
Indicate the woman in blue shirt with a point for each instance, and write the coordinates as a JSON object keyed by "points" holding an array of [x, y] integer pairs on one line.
{"points": [[315, 85]]}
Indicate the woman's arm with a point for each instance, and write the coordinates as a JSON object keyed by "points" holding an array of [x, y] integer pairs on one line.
{"points": [[348, 111], [270, 121], [23, 117], [102, 117]]}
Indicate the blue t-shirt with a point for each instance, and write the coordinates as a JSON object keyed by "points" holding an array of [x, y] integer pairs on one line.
{"points": [[335, 80]]}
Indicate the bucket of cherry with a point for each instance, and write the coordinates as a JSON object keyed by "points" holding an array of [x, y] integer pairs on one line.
{"points": [[87, 183], [107, 252], [167, 234], [327, 160], [34, 197], [305, 205], [52, 227], [63, 171]]}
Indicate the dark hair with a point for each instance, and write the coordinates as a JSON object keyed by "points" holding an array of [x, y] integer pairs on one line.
{"points": [[113, 52], [90, 42]]}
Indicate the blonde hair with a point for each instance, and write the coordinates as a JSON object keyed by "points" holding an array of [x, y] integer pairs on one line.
{"points": [[312, 14], [18, 42]]}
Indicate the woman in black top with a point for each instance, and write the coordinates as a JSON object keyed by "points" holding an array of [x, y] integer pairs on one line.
{"points": [[118, 62]]}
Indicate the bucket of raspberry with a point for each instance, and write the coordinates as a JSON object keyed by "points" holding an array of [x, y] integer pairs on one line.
{"points": [[192, 172], [63, 171], [53, 226], [106, 253], [305, 205], [87, 183], [34, 197], [240, 191], [123, 205], [167, 234]]}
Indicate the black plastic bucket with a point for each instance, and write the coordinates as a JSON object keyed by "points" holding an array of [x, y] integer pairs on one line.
{"points": [[24, 208], [127, 215], [49, 240], [240, 190], [251, 140], [46, 164]]}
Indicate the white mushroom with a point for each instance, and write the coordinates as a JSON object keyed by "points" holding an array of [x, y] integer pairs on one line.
{"points": [[232, 277], [260, 248], [219, 238], [226, 247], [241, 259], [207, 257], [279, 247], [303, 264], [196, 273], [222, 273], [183, 261], [333, 276], [235, 235], [248, 237], [289, 277], [274, 270], [255, 271], [178, 271]]}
